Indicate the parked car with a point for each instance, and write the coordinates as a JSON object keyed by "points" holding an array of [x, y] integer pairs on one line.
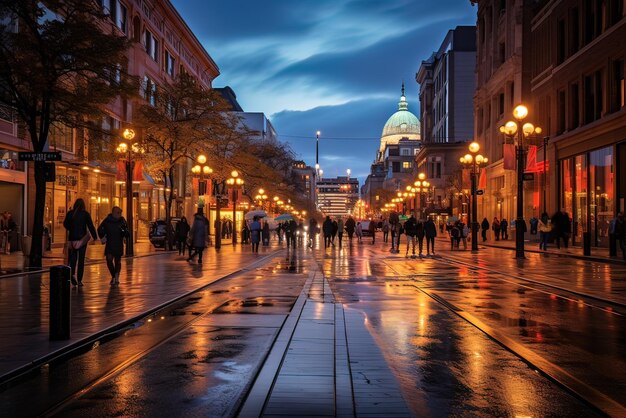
{"points": [[158, 232]]}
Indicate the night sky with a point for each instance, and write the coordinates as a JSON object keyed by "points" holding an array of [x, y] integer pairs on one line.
{"points": [[330, 65]]}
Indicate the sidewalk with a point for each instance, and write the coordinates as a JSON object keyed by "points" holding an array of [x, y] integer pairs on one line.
{"points": [[597, 253], [146, 284], [15, 263]]}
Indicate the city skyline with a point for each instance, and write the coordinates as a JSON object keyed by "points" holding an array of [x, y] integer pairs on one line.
{"points": [[337, 68]]}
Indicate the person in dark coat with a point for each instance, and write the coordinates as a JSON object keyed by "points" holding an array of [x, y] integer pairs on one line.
{"points": [[372, 230], [182, 232], [484, 225], [113, 230], [340, 229], [255, 234], [504, 229], [79, 225], [566, 228], [312, 232], [291, 229], [430, 232], [419, 235], [199, 232], [410, 229], [620, 232], [333, 233], [245, 233], [350, 227], [327, 229], [265, 233]]}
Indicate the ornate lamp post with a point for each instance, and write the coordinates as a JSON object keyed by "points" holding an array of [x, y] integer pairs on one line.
{"points": [[522, 130], [129, 149], [235, 184], [317, 153], [474, 161], [200, 170], [261, 198], [421, 186]]}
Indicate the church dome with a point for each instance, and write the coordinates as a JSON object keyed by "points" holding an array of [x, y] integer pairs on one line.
{"points": [[402, 122]]}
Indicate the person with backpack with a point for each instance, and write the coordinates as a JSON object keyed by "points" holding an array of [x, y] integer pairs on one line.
{"points": [[113, 230], [80, 230], [430, 232], [455, 235], [410, 229], [464, 234]]}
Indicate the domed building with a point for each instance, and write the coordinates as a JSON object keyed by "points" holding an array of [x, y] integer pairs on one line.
{"points": [[402, 125]]}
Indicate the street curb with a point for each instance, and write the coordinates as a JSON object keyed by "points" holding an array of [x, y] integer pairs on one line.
{"points": [[106, 334], [577, 256]]}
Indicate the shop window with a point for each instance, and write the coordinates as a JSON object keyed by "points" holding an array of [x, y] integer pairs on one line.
{"points": [[602, 199], [9, 160]]}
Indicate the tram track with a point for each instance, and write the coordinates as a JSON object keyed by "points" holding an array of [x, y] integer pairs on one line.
{"points": [[47, 364], [592, 397]]}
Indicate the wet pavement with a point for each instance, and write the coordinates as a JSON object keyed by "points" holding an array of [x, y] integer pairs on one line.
{"points": [[356, 331]]}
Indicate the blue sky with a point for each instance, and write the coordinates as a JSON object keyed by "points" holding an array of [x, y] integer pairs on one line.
{"points": [[329, 65]]}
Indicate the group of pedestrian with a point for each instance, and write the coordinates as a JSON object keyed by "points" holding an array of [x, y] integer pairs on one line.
{"points": [[415, 231]]}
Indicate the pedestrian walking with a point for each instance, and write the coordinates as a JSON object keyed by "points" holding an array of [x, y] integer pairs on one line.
{"points": [[350, 227], [182, 233], [334, 231], [430, 232], [327, 229], [359, 231], [385, 229], [455, 235], [419, 235], [265, 233], [485, 227], [255, 234], [291, 229], [465, 233], [340, 229], [504, 229], [372, 230], [394, 221], [544, 227], [567, 227], [534, 225], [410, 229], [113, 230], [80, 230], [312, 232], [495, 225], [198, 234], [245, 233]]}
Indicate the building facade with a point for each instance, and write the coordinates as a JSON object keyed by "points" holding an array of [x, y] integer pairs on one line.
{"points": [[502, 82], [577, 91], [163, 47], [447, 85], [337, 197], [304, 180]]}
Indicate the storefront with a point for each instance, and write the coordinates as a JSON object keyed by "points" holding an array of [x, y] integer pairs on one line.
{"points": [[95, 187], [12, 187], [588, 187]]}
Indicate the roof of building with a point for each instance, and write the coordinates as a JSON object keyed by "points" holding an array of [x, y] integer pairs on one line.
{"points": [[402, 122]]}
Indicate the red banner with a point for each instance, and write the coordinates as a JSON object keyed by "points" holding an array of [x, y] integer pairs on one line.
{"points": [[509, 157], [138, 171], [121, 171], [531, 160], [466, 180], [482, 180]]}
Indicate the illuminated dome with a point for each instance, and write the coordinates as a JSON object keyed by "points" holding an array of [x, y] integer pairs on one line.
{"points": [[402, 124]]}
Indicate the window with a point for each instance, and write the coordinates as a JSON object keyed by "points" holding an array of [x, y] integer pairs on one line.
{"points": [[575, 110], [406, 165], [396, 166], [616, 10], [488, 116], [433, 168], [502, 6], [512, 95], [617, 86], [149, 90], [560, 128], [501, 52], [574, 31], [479, 120], [117, 12], [501, 104], [497, 183], [593, 97], [560, 41], [151, 44], [170, 63], [405, 151], [61, 137]]}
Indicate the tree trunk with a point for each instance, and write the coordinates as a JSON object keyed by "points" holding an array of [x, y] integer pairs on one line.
{"points": [[168, 210], [35, 258]]}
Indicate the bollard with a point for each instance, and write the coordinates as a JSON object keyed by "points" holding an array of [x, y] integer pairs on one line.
{"points": [[586, 243], [60, 302]]}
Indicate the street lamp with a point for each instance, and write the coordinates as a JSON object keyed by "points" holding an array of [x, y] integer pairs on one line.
{"points": [[235, 184], [317, 151], [527, 129], [421, 186], [474, 161], [200, 170], [261, 197], [129, 149], [348, 171]]}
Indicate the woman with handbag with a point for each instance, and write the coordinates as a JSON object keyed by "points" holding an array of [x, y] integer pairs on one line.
{"points": [[112, 231], [80, 231]]}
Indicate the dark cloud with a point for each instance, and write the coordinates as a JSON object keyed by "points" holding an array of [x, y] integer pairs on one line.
{"points": [[281, 56]]}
